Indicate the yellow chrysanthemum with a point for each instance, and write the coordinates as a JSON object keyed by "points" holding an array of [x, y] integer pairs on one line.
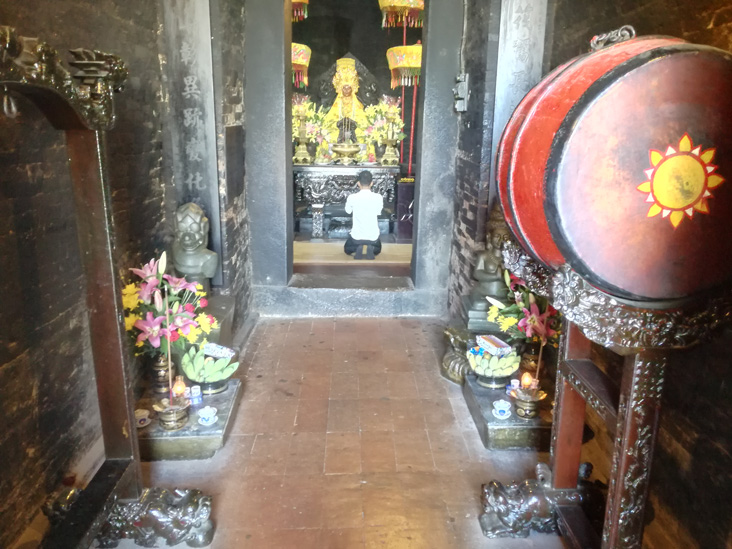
{"points": [[129, 296], [193, 334], [204, 323], [139, 343], [506, 322], [130, 321], [199, 290], [492, 313]]}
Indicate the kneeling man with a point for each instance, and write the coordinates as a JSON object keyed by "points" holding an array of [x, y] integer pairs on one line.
{"points": [[365, 207]]}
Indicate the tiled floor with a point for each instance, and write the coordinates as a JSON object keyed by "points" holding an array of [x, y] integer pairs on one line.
{"points": [[347, 437]]}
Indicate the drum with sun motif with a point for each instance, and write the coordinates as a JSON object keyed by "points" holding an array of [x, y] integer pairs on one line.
{"points": [[617, 162]]}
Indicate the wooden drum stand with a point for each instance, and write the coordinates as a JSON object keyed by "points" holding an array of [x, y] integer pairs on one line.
{"points": [[643, 336]]}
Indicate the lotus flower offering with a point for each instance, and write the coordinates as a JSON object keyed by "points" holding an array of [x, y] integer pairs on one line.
{"points": [[493, 361]]}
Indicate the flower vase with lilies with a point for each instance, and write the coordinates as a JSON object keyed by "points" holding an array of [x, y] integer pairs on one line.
{"points": [[164, 313], [527, 317]]}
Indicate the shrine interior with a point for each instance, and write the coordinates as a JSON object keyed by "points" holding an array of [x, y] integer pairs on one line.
{"points": [[356, 417]]}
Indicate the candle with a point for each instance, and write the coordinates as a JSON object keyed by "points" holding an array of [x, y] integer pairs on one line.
{"points": [[526, 381], [179, 387]]}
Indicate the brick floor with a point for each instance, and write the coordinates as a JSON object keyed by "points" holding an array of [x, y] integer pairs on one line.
{"points": [[347, 437]]}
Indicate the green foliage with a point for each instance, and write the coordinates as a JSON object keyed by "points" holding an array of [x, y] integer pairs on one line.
{"points": [[204, 369]]}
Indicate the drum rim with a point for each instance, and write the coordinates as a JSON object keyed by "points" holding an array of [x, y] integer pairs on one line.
{"points": [[558, 149]]}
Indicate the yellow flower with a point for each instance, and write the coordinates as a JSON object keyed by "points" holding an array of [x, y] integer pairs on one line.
{"points": [[204, 323], [129, 296], [130, 321], [139, 343], [193, 334], [492, 313], [199, 290], [506, 322]]}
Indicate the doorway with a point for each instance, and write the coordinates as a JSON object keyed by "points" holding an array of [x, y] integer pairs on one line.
{"points": [[336, 38], [269, 172]]}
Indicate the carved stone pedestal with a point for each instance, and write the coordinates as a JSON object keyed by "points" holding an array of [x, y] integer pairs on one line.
{"points": [[512, 433]]}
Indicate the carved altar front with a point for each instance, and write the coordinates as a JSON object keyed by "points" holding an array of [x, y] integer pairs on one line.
{"points": [[317, 187]]}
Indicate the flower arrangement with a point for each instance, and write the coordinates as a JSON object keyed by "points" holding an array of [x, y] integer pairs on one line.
{"points": [[316, 125], [164, 312], [528, 317], [383, 122]]}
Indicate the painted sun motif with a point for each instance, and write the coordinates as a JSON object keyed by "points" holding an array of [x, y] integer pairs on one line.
{"points": [[680, 180]]}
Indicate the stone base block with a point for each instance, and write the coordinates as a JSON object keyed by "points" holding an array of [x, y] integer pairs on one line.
{"points": [[194, 441], [512, 433]]}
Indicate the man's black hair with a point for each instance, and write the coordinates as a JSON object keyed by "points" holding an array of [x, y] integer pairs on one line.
{"points": [[365, 178]]}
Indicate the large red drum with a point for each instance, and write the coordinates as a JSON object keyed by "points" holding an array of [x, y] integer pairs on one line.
{"points": [[616, 163]]}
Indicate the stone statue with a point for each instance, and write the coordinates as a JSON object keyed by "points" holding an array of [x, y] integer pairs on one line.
{"points": [[177, 516], [191, 258], [489, 264], [514, 510]]}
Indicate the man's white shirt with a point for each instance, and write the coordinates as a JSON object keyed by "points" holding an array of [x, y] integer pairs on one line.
{"points": [[365, 207]]}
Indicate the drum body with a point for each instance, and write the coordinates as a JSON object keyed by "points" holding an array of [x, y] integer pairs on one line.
{"points": [[616, 164]]}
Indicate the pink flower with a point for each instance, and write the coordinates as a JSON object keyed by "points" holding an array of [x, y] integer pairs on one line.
{"points": [[516, 282], [146, 290], [203, 302], [151, 329], [189, 308], [183, 322], [178, 284], [148, 270], [158, 300], [535, 323], [174, 336]]}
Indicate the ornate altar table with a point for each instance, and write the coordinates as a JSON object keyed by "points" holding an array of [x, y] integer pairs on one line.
{"points": [[318, 186]]}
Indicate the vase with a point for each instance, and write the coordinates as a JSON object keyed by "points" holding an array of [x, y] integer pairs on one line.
{"points": [[312, 148], [530, 357], [215, 387], [161, 374], [379, 151], [490, 382]]}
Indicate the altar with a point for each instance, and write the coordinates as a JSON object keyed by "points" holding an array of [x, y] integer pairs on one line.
{"points": [[321, 192]]}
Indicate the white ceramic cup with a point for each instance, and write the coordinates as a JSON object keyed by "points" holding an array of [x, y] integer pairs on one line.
{"points": [[502, 407], [207, 413], [141, 416]]}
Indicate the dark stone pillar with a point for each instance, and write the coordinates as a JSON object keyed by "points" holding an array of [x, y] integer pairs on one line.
{"points": [[187, 41], [268, 140]]}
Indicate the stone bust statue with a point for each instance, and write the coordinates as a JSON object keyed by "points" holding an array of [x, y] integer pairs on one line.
{"points": [[489, 264], [191, 258]]}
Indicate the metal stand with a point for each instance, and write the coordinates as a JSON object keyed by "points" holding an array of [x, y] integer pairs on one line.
{"points": [[643, 336]]}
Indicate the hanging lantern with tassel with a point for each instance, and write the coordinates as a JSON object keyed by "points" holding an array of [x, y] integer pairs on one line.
{"points": [[299, 10], [300, 61], [405, 64], [398, 13]]}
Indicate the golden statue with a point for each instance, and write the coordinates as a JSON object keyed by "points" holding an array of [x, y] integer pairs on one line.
{"points": [[347, 112]]}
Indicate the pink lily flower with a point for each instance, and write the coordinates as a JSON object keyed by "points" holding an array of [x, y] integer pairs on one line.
{"points": [[183, 322], [178, 284], [151, 329], [158, 301], [515, 282], [534, 323], [148, 270], [147, 289]]}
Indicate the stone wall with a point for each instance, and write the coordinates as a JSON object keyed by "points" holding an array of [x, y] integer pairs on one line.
{"points": [[472, 164], [692, 470], [49, 420], [227, 24]]}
